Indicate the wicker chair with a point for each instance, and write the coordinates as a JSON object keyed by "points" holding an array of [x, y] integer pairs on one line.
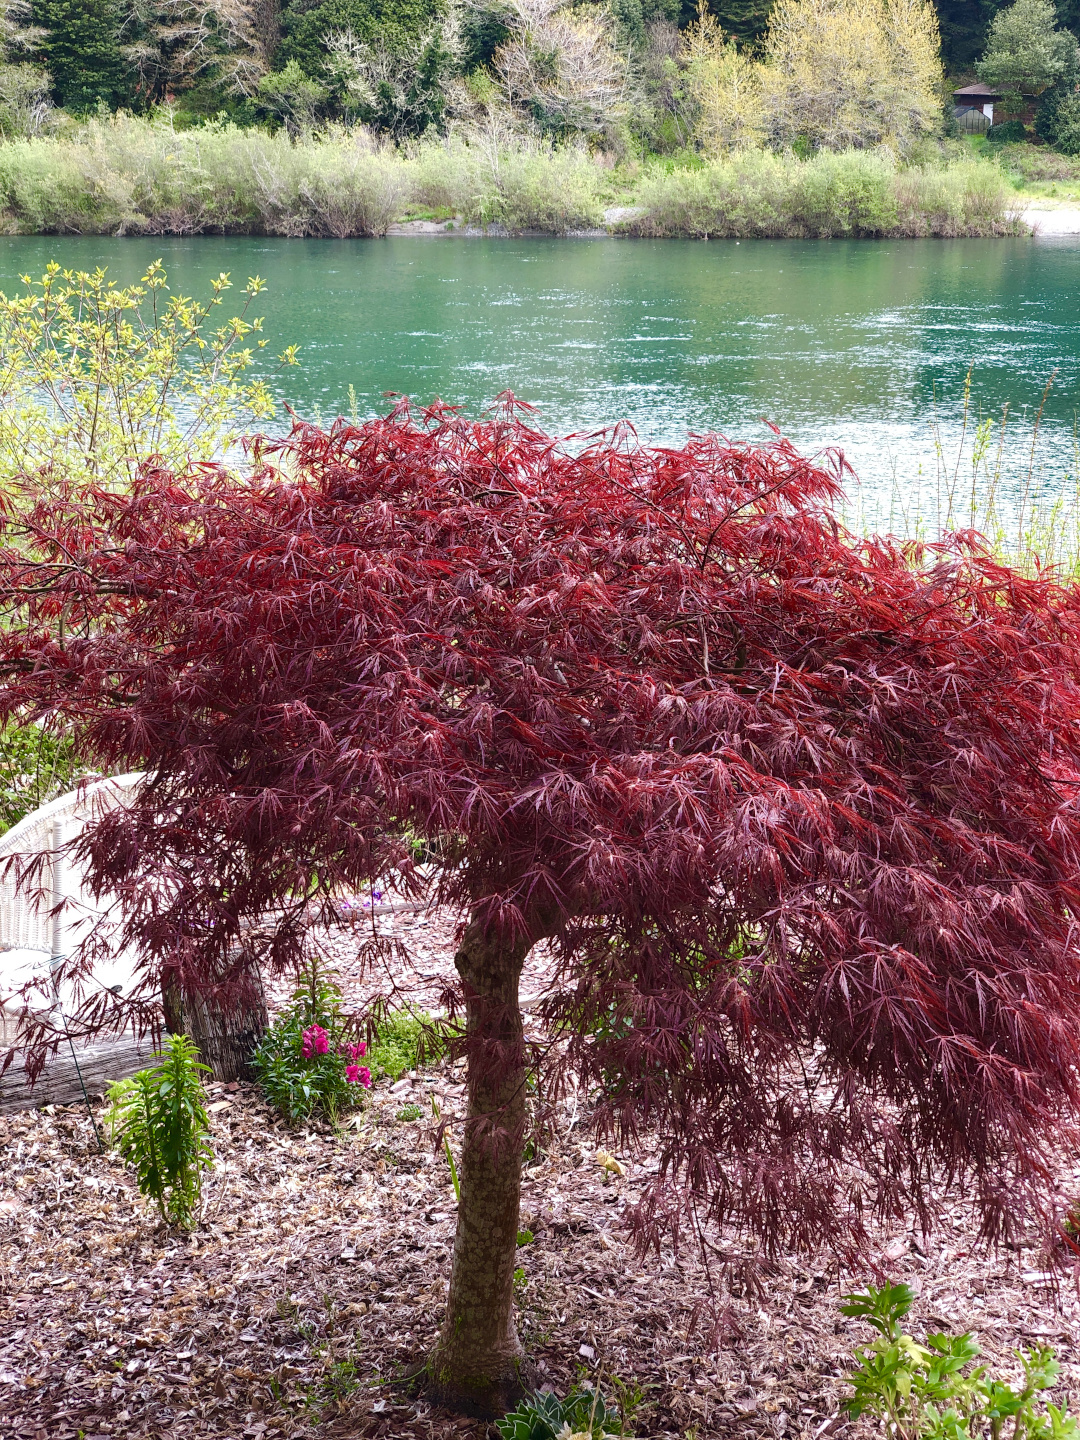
{"points": [[40, 926]]}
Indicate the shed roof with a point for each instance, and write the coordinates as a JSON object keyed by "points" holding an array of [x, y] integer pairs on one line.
{"points": [[977, 92]]}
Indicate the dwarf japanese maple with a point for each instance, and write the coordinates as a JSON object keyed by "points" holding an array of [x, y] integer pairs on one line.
{"points": [[795, 811]]}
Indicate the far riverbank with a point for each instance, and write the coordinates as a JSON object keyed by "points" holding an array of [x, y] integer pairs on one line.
{"points": [[130, 176], [619, 220]]}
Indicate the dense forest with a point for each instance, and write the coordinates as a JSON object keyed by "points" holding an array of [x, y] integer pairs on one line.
{"points": [[398, 65]]}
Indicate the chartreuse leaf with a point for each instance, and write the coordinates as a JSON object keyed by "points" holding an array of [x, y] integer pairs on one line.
{"points": [[932, 1391]]}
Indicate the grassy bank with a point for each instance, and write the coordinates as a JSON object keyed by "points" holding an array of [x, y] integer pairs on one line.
{"points": [[1037, 172], [133, 176], [858, 193]]}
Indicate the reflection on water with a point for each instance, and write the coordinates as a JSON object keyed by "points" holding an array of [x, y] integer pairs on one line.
{"points": [[852, 343]]}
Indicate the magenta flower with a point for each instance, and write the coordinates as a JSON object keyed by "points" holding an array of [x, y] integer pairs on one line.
{"points": [[358, 1075], [354, 1052], [314, 1041]]}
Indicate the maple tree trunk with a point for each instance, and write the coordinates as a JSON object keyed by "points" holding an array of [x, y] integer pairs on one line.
{"points": [[226, 1036], [478, 1364]]}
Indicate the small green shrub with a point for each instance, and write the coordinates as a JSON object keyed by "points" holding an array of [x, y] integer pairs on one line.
{"points": [[1038, 164], [410, 1112], [340, 1380], [544, 1417], [1009, 132], [553, 191], [968, 198], [857, 193], [929, 1392], [845, 194], [403, 1039], [450, 176], [307, 1062], [1058, 120], [158, 1122]]}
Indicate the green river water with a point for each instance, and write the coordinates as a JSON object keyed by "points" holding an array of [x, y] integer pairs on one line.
{"points": [[859, 344]]}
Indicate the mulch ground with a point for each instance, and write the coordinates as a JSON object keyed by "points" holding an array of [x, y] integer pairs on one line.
{"points": [[317, 1278]]}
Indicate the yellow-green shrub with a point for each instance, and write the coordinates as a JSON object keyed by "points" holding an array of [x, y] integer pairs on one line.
{"points": [[97, 379]]}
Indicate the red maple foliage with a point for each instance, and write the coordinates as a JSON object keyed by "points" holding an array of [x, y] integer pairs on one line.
{"points": [[797, 810]]}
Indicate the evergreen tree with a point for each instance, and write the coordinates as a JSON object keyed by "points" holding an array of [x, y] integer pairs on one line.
{"points": [[1058, 119], [965, 29], [1027, 54], [633, 17], [482, 28], [746, 20], [1068, 13], [964, 26], [396, 24], [81, 49]]}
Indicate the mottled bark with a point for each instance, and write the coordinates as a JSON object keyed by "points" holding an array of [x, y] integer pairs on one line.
{"points": [[227, 1035], [226, 1031], [477, 1364]]}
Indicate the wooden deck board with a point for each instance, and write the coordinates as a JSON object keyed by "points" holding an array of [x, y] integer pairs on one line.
{"points": [[58, 1083]]}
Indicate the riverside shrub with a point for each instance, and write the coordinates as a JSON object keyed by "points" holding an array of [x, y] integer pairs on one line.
{"points": [[858, 193], [968, 198], [132, 175]]}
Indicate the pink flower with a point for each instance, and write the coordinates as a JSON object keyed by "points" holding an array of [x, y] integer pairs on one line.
{"points": [[355, 1051], [315, 1041], [358, 1075]]}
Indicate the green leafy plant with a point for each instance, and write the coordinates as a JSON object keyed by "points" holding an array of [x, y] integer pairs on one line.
{"points": [[451, 1166], [521, 1284], [410, 1112], [307, 1062], [403, 1039], [1009, 132], [157, 1120], [931, 1392], [544, 1416], [36, 766], [629, 1397], [339, 1381]]}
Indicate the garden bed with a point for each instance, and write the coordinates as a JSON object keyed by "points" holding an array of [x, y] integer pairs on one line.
{"points": [[317, 1277]]}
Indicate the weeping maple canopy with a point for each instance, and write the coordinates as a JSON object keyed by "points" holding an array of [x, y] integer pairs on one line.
{"points": [[797, 810]]}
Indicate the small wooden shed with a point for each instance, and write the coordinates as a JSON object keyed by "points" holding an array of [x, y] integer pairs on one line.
{"points": [[973, 107]]}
